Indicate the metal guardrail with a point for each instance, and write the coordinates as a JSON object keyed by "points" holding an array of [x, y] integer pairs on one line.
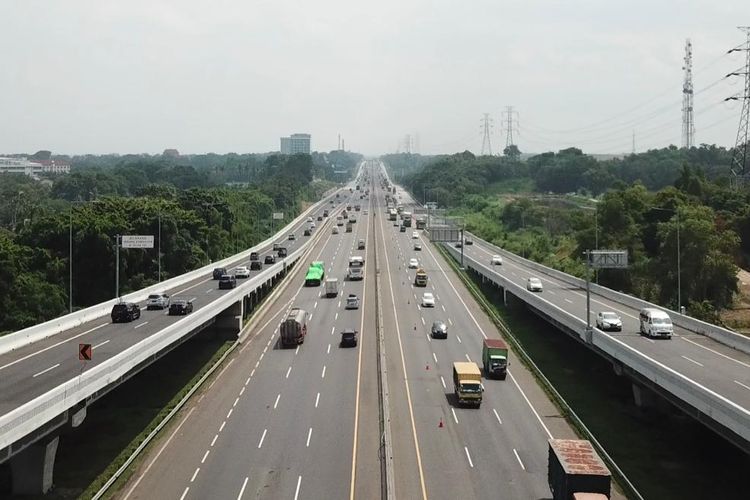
{"points": [[722, 335], [47, 329], [30, 416], [726, 412]]}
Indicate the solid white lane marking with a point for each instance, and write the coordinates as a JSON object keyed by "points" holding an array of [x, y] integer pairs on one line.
{"points": [[53, 346], [434, 357], [213, 441], [260, 443], [288, 372], [296, 492], [317, 400], [242, 490], [184, 493], [715, 352], [692, 360], [309, 434], [442, 381], [323, 375], [45, 371], [100, 344], [468, 456], [519, 459], [276, 403], [195, 474], [205, 456], [497, 416], [455, 417]]}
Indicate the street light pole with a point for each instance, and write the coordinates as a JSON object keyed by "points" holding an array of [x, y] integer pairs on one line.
{"points": [[679, 271], [70, 260], [159, 246]]}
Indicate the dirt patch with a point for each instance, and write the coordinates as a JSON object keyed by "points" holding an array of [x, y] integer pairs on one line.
{"points": [[738, 317]]}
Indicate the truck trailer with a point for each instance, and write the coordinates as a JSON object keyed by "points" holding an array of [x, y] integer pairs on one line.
{"points": [[467, 383], [495, 358], [294, 328], [574, 467]]}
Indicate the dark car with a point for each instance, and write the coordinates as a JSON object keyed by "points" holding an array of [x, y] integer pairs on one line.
{"points": [[256, 265], [439, 330], [270, 259], [402, 229], [282, 252], [349, 338], [468, 241], [320, 218], [227, 281], [254, 255], [307, 232], [219, 272], [180, 307], [125, 311]]}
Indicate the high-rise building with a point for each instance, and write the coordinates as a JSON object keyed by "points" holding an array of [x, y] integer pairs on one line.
{"points": [[295, 143]]}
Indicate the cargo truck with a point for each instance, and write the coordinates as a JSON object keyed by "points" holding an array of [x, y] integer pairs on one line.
{"points": [[315, 274], [495, 358], [574, 467], [467, 383], [332, 287], [294, 328], [349, 227], [420, 279]]}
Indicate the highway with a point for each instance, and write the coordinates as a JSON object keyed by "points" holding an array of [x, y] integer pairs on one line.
{"points": [[303, 423], [30, 371]]}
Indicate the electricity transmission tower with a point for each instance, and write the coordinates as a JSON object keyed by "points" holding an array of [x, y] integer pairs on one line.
{"points": [[740, 170], [508, 117], [688, 126], [486, 126]]}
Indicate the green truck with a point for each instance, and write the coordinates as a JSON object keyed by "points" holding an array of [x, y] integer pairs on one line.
{"points": [[315, 274], [467, 383], [495, 358]]}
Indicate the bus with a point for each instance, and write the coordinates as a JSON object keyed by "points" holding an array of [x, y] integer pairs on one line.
{"points": [[392, 214]]}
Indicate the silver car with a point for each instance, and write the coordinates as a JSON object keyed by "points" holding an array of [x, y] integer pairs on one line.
{"points": [[607, 320], [157, 301], [534, 285]]}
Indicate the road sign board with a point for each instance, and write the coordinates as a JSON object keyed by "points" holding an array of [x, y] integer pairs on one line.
{"points": [[609, 259], [278, 215], [137, 241], [84, 352], [444, 234]]}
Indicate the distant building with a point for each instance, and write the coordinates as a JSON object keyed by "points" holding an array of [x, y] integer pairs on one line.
{"points": [[33, 168], [295, 143]]}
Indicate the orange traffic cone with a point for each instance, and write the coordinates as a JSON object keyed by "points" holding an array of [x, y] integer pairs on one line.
{"points": [[440, 425]]}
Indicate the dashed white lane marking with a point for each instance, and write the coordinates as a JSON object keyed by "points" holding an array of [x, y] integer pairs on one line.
{"points": [[140, 325], [213, 441], [296, 351], [184, 493], [316, 305], [252, 373], [568, 300], [242, 391], [323, 375], [333, 329], [195, 474], [328, 351], [236, 401], [309, 435], [692, 360], [450, 321], [468, 358], [337, 317], [45, 371], [715, 352], [317, 400], [229, 414], [519, 459], [459, 339], [455, 417], [276, 403], [434, 357], [442, 381], [242, 490], [551, 292], [221, 427], [296, 492], [260, 443], [288, 372], [497, 416], [100, 344], [423, 323], [205, 456], [468, 457]]}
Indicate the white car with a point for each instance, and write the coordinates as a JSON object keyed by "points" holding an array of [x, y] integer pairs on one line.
{"points": [[157, 301], [309, 219], [497, 260], [312, 225], [413, 263], [534, 285], [242, 272], [352, 302], [607, 320], [428, 300], [335, 230], [414, 235], [418, 246]]}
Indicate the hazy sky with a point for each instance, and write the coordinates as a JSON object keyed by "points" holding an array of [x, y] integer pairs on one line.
{"points": [[131, 76]]}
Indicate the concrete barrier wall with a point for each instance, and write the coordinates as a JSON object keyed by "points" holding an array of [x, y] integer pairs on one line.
{"points": [[722, 335], [729, 414], [41, 331]]}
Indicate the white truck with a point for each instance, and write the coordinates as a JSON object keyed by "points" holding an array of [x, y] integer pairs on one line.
{"points": [[332, 287]]}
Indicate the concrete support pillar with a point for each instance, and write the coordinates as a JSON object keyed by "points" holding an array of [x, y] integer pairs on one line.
{"points": [[505, 297], [643, 397], [32, 469], [229, 322]]}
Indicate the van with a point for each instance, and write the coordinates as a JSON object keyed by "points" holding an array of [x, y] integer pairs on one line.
{"points": [[655, 323], [356, 261]]}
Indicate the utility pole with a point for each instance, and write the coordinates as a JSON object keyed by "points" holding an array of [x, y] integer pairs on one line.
{"points": [[508, 117], [688, 126], [740, 158], [633, 141], [117, 266], [486, 126]]}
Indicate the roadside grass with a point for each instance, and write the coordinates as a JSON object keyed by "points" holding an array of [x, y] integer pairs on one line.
{"points": [[665, 453]]}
